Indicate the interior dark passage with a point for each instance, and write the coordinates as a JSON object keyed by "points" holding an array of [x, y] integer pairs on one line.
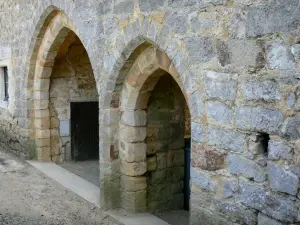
{"points": [[168, 146], [84, 131]]}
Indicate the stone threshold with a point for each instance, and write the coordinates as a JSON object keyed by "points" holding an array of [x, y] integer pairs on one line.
{"points": [[80, 186]]}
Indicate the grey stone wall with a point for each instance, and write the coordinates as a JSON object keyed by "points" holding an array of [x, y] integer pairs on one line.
{"points": [[238, 61]]}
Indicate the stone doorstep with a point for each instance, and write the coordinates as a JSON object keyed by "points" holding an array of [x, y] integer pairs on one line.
{"points": [[79, 186]]}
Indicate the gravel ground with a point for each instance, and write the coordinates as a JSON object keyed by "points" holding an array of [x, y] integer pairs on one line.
{"points": [[29, 197]]}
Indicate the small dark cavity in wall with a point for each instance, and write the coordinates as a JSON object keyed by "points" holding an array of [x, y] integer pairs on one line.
{"points": [[265, 142]]}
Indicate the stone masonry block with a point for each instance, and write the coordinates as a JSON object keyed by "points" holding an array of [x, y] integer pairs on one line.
{"points": [[198, 133], [241, 166], [206, 157], [161, 160], [133, 169], [279, 150], [132, 134], [266, 90], [282, 180], [133, 152], [219, 112], [194, 44], [220, 85], [258, 119], [134, 118], [133, 183], [134, 201], [203, 179], [175, 158], [226, 139], [151, 163], [291, 128], [276, 206], [264, 220]]}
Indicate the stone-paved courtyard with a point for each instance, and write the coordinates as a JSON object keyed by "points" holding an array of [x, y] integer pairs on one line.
{"points": [[29, 197]]}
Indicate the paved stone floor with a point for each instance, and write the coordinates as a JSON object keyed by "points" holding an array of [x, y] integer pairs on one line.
{"points": [[88, 170], [29, 197]]}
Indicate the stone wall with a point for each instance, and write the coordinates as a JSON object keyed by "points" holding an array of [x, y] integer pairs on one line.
{"points": [[236, 62]]}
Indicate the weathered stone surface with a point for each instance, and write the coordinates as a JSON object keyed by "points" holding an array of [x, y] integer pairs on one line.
{"points": [[151, 163], [133, 134], [260, 90], [194, 44], [197, 133], [203, 180], [264, 220], [175, 158], [161, 158], [134, 118], [279, 150], [133, 152], [258, 119], [241, 166], [133, 169], [150, 5], [267, 18], [219, 112], [241, 53], [134, 201], [236, 212], [275, 206], [123, 6], [133, 183], [230, 140], [220, 85], [291, 128], [177, 22], [195, 105], [279, 56], [229, 187], [206, 158], [282, 180]]}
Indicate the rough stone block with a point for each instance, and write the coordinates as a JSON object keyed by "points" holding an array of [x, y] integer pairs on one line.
{"points": [[132, 134], [264, 220], [193, 45], [133, 169], [177, 187], [279, 56], [134, 118], [151, 163], [134, 201], [177, 22], [195, 104], [266, 18], [161, 160], [150, 5], [157, 146], [158, 177], [123, 6], [219, 112], [226, 139], [155, 192], [258, 119], [242, 53], [276, 206], [133, 183], [175, 173], [266, 90], [197, 132], [176, 202], [236, 212], [175, 158], [206, 158], [282, 180], [203, 180], [291, 128], [133, 152], [241, 166], [229, 188], [279, 150], [220, 85]]}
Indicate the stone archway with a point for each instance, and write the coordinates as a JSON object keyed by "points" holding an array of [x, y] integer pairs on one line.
{"points": [[128, 145], [58, 30]]}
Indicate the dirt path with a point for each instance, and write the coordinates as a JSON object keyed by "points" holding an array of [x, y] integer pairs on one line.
{"points": [[29, 197]]}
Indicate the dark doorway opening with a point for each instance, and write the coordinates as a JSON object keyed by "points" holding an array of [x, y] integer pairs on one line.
{"points": [[84, 130]]}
